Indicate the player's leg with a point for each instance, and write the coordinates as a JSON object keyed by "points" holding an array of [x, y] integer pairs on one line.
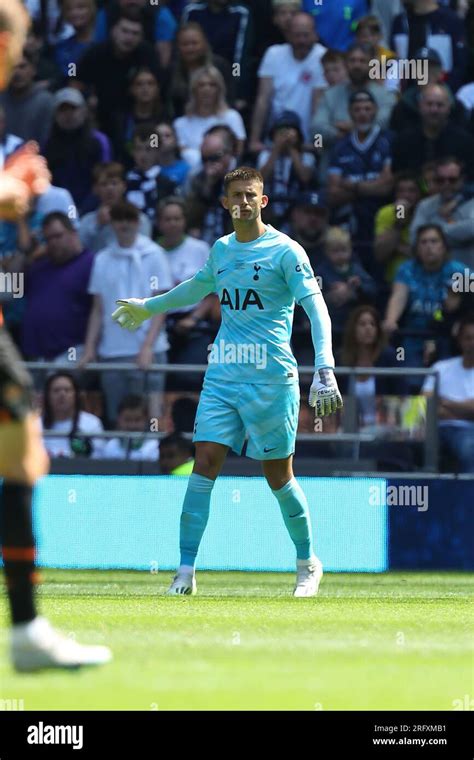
{"points": [[23, 459], [271, 418], [217, 428]]}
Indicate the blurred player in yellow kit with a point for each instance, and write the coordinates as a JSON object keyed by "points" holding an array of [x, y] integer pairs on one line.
{"points": [[23, 459]]}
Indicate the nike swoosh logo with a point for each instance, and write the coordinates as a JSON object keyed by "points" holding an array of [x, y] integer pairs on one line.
{"points": [[297, 514], [267, 450], [220, 270]]}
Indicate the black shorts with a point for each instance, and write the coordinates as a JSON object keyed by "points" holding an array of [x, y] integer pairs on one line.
{"points": [[16, 385]]}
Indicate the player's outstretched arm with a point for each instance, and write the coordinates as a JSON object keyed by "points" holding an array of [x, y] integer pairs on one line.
{"points": [[133, 311], [324, 394]]}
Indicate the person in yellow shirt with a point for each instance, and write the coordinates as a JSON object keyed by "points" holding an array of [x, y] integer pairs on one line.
{"points": [[369, 32], [392, 225], [176, 455]]}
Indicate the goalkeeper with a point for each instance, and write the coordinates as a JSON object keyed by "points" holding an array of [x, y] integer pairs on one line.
{"points": [[251, 386]]}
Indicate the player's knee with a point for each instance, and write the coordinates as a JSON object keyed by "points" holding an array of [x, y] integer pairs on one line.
{"points": [[207, 462]]}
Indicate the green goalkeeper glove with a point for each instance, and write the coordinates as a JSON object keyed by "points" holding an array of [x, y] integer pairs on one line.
{"points": [[324, 393], [131, 313]]}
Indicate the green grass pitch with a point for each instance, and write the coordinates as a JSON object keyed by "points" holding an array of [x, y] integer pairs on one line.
{"points": [[368, 641]]}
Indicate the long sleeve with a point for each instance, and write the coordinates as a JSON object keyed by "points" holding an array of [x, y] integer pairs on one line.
{"points": [[186, 293], [317, 311]]}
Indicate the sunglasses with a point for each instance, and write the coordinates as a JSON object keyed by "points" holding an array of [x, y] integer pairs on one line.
{"points": [[450, 180], [212, 158]]}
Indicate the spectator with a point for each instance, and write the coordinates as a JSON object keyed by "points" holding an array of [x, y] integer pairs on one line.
{"points": [[308, 224], [62, 414], [47, 72], [429, 179], [452, 209], [436, 137], [28, 106], [456, 398], [407, 111], [369, 32], [57, 302], [49, 19], [206, 215], [105, 68], [109, 185], [74, 148], [159, 24], [359, 175], [192, 53], [131, 264], [332, 119], [9, 143], [188, 326], [282, 16], [183, 413], [364, 345], [206, 107], [81, 15], [146, 107], [334, 67], [425, 24], [286, 169], [146, 185], [336, 21], [420, 288], [228, 28], [345, 283], [290, 78], [133, 417], [392, 224], [168, 155], [176, 455]]}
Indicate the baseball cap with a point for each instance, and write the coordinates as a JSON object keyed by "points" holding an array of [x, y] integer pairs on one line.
{"points": [[361, 95], [287, 119], [68, 95]]}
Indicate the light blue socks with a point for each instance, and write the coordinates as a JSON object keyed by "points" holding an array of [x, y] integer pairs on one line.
{"points": [[194, 517], [294, 508]]}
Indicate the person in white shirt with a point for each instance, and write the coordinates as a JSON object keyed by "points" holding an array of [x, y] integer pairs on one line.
{"points": [[291, 78], [456, 398], [62, 413], [206, 107], [133, 417], [186, 255], [132, 263]]}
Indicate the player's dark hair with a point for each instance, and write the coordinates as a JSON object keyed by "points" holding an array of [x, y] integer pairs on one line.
{"points": [[124, 211], [244, 173], [58, 216], [182, 444], [133, 401]]}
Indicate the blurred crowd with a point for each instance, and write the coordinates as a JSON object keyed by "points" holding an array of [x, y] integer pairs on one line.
{"points": [[360, 117]]}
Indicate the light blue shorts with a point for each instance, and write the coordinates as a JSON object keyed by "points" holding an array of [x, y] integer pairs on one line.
{"points": [[265, 414]]}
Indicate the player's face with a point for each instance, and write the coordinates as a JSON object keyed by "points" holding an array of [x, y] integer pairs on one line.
{"points": [[366, 329], [245, 200]]}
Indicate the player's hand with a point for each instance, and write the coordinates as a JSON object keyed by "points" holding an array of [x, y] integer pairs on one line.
{"points": [[324, 393], [131, 313]]}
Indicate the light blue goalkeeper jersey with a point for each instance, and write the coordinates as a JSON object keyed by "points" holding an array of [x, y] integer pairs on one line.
{"points": [[257, 284]]}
